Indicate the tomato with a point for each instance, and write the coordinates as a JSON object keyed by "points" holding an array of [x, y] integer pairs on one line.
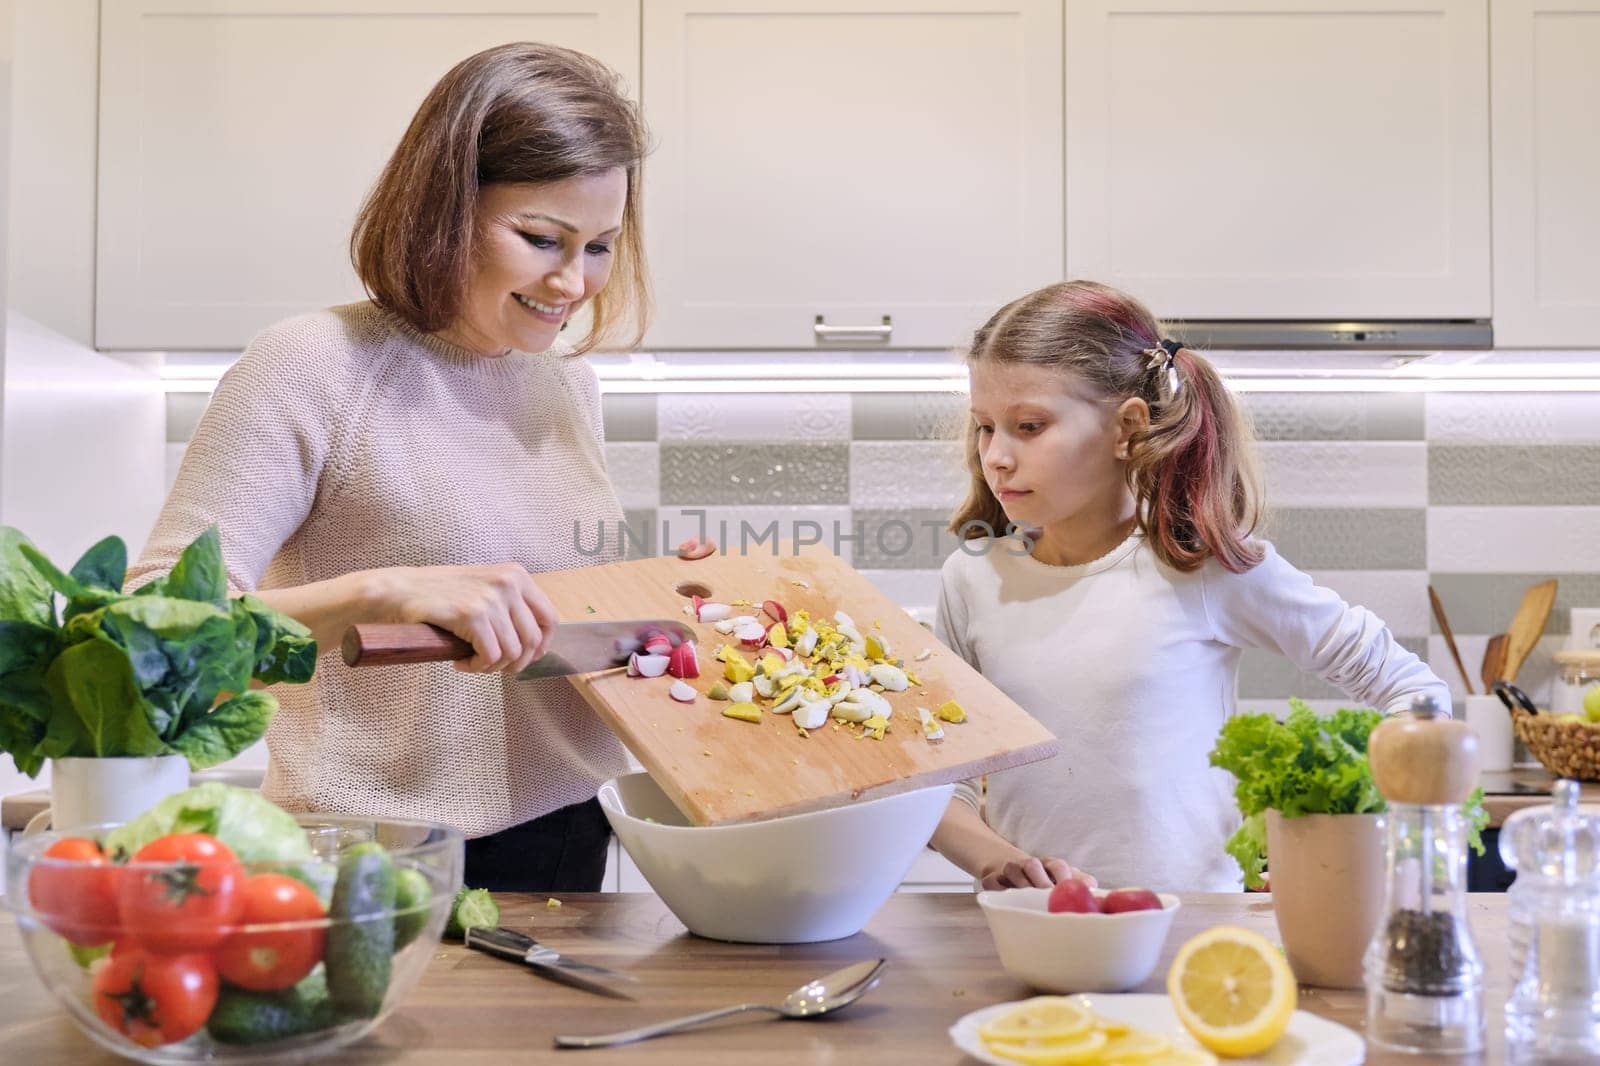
{"points": [[269, 959], [181, 893], [75, 892], [1072, 896], [155, 999], [1130, 899]]}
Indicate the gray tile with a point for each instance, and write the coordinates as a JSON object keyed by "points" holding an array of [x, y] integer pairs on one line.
{"points": [[755, 473], [1334, 538], [635, 471], [902, 538], [1336, 416], [183, 414], [629, 415], [1513, 475], [908, 415], [1268, 675], [1486, 603], [641, 539], [907, 473]]}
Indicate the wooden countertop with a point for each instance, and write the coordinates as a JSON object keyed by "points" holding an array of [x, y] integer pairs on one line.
{"points": [[469, 1008]]}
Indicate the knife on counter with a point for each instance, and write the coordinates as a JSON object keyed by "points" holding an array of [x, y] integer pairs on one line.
{"points": [[575, 648], [510, 944]]}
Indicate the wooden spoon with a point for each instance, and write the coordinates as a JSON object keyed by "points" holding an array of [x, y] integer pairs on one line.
{"points": [[1449, 638], [1528, 625], [1494, 661]]}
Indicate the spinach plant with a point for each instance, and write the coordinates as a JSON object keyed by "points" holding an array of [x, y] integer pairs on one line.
{"points": [[163, 670]]}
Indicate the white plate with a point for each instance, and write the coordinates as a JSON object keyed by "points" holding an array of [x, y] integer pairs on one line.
{"points": [[1309, 1040]]}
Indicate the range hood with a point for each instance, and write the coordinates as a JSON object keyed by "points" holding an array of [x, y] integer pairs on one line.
{"points": [[1467, 333]]}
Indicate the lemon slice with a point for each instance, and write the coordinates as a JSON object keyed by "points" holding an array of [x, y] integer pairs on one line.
{"points": [[1083, 1049], [1232, 990], [1042, 1019], [1182, 1056], [1134, 1046]]}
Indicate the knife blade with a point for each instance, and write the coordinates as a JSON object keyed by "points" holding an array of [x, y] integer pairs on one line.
{"points": [[574, 648], [510, 944]]}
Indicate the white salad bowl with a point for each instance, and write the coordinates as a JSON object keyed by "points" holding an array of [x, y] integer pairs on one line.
{"points": [[1075, 952], [789, 880]]}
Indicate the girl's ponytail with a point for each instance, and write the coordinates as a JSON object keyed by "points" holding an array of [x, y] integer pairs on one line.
{"points": [[1193, 471]]}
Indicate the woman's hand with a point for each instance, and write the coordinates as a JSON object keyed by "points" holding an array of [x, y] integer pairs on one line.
{"points": [[498, 609], [1028, 871]]}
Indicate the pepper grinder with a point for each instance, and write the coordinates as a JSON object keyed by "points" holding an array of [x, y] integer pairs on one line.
{"points": [[1424, 977]]}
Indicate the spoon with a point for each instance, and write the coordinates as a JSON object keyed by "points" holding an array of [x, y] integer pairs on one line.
{"points": [[812, 999]]}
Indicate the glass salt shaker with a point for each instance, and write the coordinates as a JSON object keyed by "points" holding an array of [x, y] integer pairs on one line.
{"points": [[1553, 909], [1424, 977]]}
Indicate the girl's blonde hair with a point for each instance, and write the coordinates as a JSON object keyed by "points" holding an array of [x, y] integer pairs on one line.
{"points": [[1192, 471], [520, 112]]}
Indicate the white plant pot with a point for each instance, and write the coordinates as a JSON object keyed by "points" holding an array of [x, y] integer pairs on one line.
{"points": [[88, 791]]}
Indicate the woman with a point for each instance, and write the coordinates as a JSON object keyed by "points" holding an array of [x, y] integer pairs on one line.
{"points": [[414, 457]]}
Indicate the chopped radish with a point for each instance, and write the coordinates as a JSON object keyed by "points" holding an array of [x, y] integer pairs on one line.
{"points": [[681, 691], [698, 602], [695, 548], [683, 662], [751, 634], [660, 644], [713, 612], [647, 665], [775, 611]]}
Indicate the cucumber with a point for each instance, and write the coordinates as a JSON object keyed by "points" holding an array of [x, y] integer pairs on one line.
{"points": [[361, 931], [411, 901], [242, 1017], [473, 908]]}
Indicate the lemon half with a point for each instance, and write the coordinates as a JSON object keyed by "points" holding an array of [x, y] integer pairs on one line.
{"points": [[1232, 990]]}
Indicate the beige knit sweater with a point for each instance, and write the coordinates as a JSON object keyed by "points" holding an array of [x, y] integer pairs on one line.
{"points": [[343, 440]]}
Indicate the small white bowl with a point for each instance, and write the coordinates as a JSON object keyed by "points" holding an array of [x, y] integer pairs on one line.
{"points": [[1075, 952], [790, 880]]}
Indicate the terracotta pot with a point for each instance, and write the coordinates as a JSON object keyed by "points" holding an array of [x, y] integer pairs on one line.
{"points": [[1327, 892]]}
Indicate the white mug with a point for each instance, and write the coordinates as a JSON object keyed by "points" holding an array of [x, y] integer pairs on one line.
{"points": [[1490, 719]]}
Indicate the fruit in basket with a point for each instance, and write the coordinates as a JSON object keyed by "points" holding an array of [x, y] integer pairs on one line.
{"points": [[1130, 899], [75, 892], [270, 960], [181, 894], [1072, 896], [361, 938], [1233, 990], [155, 999]]}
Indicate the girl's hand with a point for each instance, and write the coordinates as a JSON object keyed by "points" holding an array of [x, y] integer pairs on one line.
{"points": [[1028, 871], [498, 609]]}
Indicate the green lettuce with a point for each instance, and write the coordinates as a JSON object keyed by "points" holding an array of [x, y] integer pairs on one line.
{"points": [[1305, 764], [253, 826]]}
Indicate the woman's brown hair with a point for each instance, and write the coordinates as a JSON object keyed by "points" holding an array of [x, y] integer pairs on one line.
{"points": [[520, 112], [1192, 471]]}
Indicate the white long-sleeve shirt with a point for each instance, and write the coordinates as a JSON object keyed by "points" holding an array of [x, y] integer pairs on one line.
{"points": [[1134, 666]]}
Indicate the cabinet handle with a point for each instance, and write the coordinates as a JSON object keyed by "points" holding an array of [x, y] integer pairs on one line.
{"points": [[826, 332]]}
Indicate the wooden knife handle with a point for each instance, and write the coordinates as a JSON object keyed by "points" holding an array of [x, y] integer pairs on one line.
{"points": [[395, 645]]}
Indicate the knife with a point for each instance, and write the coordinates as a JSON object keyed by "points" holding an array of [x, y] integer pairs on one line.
{"points": [[575, 648], [510, 944]]}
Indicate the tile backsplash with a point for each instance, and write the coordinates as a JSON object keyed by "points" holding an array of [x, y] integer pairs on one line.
{"points": [[1377, 495]]}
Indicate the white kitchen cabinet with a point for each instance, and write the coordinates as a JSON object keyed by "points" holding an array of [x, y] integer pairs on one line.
{"points": [[238, 138], [1284, 159], [893, 166], [1546, 171]]}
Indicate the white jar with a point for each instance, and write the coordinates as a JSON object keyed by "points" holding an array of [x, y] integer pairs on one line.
{"points": [[1578, 672]]}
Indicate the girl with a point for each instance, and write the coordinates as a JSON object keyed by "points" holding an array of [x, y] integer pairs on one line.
{"points": [[1118, 616]]}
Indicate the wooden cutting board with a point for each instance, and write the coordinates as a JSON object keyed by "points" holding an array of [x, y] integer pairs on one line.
{"points": [[721, 770]]}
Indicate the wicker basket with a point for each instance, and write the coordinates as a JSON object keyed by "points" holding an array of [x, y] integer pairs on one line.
{"points": [[1567, 749]]}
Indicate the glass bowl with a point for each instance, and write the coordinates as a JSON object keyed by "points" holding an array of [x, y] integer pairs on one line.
{"points": [[329, 949]]}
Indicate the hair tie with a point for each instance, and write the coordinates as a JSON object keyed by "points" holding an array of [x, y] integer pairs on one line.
{"points": [[1164, 360]]}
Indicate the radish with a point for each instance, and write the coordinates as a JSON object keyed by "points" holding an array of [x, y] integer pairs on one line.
{"points": [[681, 691], [647, 665], [683, 662], [713, 612], [775, 611]]}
